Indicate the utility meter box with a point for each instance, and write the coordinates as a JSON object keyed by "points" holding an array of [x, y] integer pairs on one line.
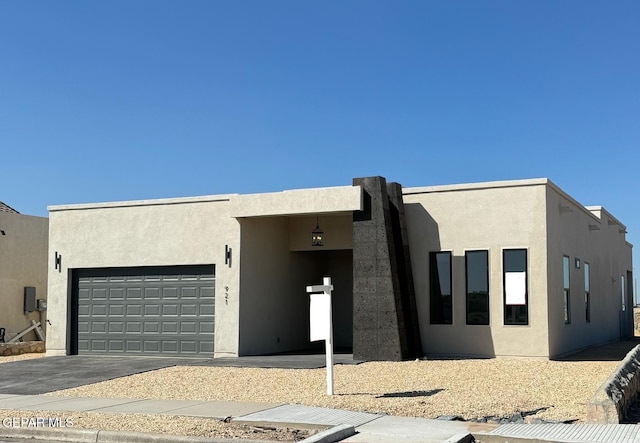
{"points": [[42, 304], [29, 299]]}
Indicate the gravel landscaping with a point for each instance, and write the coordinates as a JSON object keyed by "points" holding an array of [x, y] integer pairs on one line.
{"points": [[470, 389], [477, 390]]}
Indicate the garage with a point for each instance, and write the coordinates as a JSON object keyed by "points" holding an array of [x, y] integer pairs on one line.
{"points": [[151, 311]]}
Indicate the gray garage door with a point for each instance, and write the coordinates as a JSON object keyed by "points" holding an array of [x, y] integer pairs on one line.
{"points": [[166, 311]]}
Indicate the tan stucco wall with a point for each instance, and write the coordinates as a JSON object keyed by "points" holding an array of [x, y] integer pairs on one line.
{"points": [[493, 217], [272, 311], [597, 238], [146, 233], [23, 262]]}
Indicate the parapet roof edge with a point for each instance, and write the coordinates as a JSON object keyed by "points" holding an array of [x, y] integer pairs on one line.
{"points": [[150, 202], [511, 184], [609, 214], [479, 185]]}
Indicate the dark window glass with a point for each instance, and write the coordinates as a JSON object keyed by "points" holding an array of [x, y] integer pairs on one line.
{"points": [[516, 282], [440, 285], [477, 278], [587, 293], [566, 281]]}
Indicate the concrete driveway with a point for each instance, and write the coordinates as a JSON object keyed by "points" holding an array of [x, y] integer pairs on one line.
{"points": [[41, 375]]}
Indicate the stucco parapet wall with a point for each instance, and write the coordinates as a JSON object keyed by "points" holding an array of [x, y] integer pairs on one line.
{"points": [[594, 212], [298, 201], [612, 400], [476, 186], [152, 202], [599, 211]]}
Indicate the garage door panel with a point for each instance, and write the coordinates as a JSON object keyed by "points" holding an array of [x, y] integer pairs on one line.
{"points": [[145, 311], [171, 293], [134, 293], [151, 346], [151, 310], [133, 346], [207, 293], [189, 292], [207, 309], [169, 327], [133, 327], [116, 311], [152, 293], [98, 293], [97, 327], [170, 310], [205, 347], [189, 310], [206, 327]]}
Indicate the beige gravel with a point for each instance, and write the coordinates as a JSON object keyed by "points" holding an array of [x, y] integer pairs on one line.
{"points": [[427, 388], [10, 358], [423, 388]]}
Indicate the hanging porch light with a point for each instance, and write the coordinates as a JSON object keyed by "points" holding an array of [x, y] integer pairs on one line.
{"points": [[316, 235]]}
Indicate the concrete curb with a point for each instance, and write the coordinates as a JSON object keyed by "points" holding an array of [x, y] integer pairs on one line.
{"points": [[95, 436], [332, 435]]}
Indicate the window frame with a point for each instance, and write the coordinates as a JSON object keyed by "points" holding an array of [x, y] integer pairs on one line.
{"points": [[566, 288], [437, 304], [587, 292], [623, 294], [512, 312], [467, 294]]}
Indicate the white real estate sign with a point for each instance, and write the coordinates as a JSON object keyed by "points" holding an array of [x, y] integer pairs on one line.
{"points": [[321, 323]]}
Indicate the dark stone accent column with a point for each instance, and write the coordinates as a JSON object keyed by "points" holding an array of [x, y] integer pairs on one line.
{"points": [[378, 321], [405, 273]]}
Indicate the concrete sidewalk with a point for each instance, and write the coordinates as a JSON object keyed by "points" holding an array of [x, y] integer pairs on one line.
{"points": [[338, 425], [368, 427]]}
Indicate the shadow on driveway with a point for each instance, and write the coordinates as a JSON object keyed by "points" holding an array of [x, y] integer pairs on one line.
{"points": [[48, 374]]}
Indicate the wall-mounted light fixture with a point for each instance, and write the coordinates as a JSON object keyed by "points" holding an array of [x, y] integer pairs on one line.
{"points": [[2, 232], [227, 255], [317, 235], [58, 262]]}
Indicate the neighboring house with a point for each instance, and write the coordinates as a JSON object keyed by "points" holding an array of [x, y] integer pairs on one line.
{"points": [[514, 268], [23, 264]]}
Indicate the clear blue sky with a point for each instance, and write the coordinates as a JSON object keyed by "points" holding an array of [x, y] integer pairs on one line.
{"points": [[117, 100]]}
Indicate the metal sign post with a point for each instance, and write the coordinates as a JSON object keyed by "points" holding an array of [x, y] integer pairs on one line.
{"points": [[321, 323]]}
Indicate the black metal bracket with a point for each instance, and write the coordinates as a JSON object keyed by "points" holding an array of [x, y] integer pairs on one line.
{"points": [[227, 255], [58, 262]]}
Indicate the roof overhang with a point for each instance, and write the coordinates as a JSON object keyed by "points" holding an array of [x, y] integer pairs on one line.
{"points": [[339, 199]]}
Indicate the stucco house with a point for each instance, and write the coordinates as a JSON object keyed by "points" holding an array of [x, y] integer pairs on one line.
{"points": [[23, 269], [511, 268]]}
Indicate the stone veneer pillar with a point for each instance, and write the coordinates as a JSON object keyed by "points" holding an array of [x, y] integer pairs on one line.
{"points": [[381, 269]]}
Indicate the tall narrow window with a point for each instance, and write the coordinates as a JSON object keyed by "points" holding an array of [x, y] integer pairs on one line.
{"points": [[622, 293], [566, 282], [516, 297], [440, 283], [477, 277], [587, 293]]}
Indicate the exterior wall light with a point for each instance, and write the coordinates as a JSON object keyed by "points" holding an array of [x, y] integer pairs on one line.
{"points": [[317, 235]]}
